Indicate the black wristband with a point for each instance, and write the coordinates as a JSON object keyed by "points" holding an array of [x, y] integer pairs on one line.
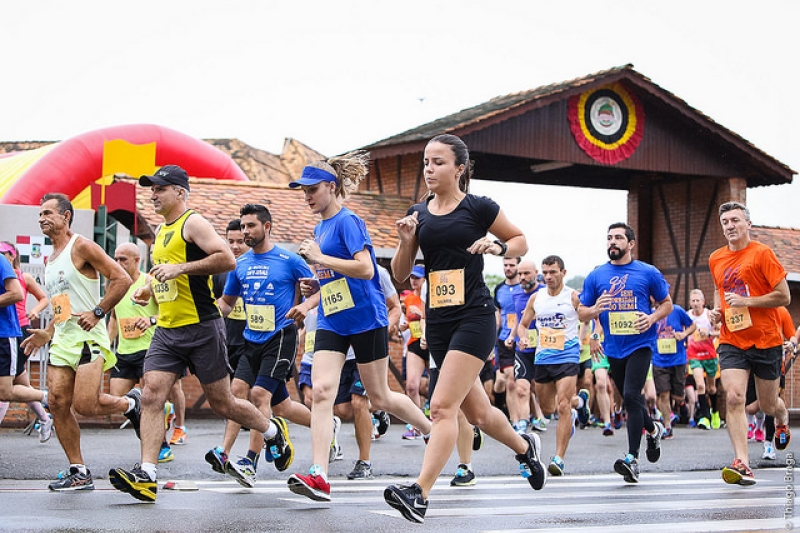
{"points": [[503, 247]]}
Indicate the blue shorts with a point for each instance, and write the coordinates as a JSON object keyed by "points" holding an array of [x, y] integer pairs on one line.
{"points": [[349, 383]]}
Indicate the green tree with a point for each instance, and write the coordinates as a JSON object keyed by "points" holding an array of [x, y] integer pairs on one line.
{"points": [[576, 282], [492, 280]]}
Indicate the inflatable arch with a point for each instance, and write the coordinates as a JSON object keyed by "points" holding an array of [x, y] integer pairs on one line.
{"points": [[73, 165]]}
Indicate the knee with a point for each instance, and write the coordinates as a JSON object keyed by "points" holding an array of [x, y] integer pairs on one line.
{"points": [[564, 407], [442, 412], [735, 399], [323, 392], [631, 399], [259, 396], [412, 388]]}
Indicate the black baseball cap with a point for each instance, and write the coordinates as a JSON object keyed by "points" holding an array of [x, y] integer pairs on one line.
{"points": [[167, 175]]}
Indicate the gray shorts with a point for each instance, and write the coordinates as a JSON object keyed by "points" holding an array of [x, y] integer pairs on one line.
{"points": [[764, 363], [200, 347]]}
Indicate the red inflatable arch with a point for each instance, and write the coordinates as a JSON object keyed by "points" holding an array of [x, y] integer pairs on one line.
{"points": [[76, 163]]}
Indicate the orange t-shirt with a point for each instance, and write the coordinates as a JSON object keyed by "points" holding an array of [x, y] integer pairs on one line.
{"points": [[786, 323], [414, 307], [752, 271]]}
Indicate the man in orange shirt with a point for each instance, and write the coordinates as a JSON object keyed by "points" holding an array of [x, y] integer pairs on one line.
{"points": [[750, 284]]}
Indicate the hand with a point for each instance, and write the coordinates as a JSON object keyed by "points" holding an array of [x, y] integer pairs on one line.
{"points": [[595, 349], [703, 333], [524, 342], [298, 314], [33, 315], [423, 343], [166, 272], [309, 250], [643, 322], [734, 300], [509, 342], [37, 339], [603, 303], [309, 286], [142, 295], [485, 246], [87, 320], [407, 227], [715, 315]]}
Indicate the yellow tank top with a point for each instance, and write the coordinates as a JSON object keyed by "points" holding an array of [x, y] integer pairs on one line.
{"points": [[186, 299]]}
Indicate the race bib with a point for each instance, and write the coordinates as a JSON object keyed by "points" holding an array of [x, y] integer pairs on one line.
{"points": [[261, 317], [237, 313], [61, 308], [128, 327], [737, 318], [552, 339], [336, 297], [311, 336], [166, 291], [416, 329], [667, 346], [511, 320], [533, 338], [622, 323], [446, 288]]}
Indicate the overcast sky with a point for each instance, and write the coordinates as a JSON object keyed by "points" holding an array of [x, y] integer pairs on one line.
{"points": [[337, 75]]}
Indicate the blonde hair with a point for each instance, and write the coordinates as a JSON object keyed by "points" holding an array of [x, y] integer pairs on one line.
{"points": [[349, 170]]}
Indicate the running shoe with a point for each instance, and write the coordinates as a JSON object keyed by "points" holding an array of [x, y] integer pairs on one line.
{"points": [[218, 459], [556, 467], [654, 443], [782, 436], [243, 471], [716, 422], [628, 468], [464, 477], [674, 419], [137, 483], [165, 455], [521, 427], [169, 415], [531, 466], [668, 434], [608, 431], [583, 412], [335, 452], [692, 423], [72, 480], [738, 474], [45, 429], [573, 420], [408, 500], [384, 421], [134, 415], [311, 486], [751, 431], [704, 423], [279, 446], [361, 470], [179, 436], [538, 424], [618, 419], [477, 438], [769, 451], [759, 435], [411, 433]]}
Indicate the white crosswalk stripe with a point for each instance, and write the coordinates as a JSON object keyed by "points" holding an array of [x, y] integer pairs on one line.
{"points": [[696, 501]]}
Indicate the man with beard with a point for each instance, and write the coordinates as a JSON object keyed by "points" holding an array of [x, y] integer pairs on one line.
{"points": [[619, 293], [506, 323]]}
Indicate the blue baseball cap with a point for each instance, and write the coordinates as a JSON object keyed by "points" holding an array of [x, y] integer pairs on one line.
{"points": [[418, 271], [312, 176]]}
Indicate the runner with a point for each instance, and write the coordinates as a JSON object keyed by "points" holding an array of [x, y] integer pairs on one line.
{"points": [[190, 331], [619, 293], [750, 284], [504, 387], [417, 356], [352, 312], [450, 228], [703, 361], [557, 362], [29, 286], [80, 350]]}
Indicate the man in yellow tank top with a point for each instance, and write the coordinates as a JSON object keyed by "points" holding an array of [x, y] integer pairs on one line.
{"points": [[80, 349], [190, 331]]}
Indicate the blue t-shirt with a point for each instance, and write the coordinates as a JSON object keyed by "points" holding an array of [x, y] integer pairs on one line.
{"points": [[631, 287], [504, 301], [676, 321], [9, 322], [266, 283], [343, 236], [520, 299]]}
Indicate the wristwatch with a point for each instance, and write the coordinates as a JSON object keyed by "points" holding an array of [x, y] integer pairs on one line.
{"points": [[153, 321], [595, 337], [98, 312], [503, 247]]}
